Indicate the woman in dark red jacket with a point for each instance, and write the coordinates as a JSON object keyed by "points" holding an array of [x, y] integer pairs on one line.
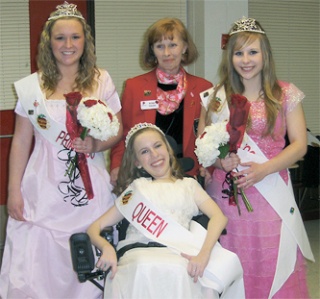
{"points": [[167, 96]]}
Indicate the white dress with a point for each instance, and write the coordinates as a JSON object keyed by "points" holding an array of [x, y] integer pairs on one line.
{"points": [[37, 260], [158, 272]]}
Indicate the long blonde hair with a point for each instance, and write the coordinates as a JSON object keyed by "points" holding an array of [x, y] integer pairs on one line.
{"points": [[231, 81], [46, 61]]}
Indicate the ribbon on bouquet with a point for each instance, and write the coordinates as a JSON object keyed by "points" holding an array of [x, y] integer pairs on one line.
{"points": [[74, 130]]}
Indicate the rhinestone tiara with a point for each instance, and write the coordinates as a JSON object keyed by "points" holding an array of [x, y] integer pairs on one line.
{"points": [[139, 127], [246, 24], [66, 10]]}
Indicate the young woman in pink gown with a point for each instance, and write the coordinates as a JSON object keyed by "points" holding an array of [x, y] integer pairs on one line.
{"points": [[45, 205], [270, 241]]}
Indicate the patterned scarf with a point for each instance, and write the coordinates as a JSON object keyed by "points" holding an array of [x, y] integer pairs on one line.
{"points": [[170, 100]]}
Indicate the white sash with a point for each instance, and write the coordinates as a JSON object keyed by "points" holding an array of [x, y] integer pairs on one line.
{"points": [[273, 188], [281, 198], [223, 272], [223, 112], [29, 92]]}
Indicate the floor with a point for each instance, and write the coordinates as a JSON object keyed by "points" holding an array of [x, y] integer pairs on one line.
{"points": [[313, 230], [310, 211], [312, 227]]}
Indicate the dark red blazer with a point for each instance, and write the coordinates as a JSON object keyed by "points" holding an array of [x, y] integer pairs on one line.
{"points": [[144, 88]]}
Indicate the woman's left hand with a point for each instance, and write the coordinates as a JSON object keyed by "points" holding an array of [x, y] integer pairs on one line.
{"points": [[253, 174], [196, 265], [85, 146]]}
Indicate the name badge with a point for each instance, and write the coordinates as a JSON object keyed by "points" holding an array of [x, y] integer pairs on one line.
{"points": [[148, 105]]}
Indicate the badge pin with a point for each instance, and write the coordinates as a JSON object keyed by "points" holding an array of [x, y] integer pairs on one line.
{"points": [[147, 93], [43, 122], [148, 105]]}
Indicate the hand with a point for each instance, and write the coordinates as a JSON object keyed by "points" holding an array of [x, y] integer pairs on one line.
{"points": [[114, 176], [108, 259], [230, 162], [253, 174], [204, 172], [84, 146], [196, 265], [15, 206]]}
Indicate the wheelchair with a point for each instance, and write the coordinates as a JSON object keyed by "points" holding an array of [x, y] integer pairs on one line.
{"points": [[83, 259]]}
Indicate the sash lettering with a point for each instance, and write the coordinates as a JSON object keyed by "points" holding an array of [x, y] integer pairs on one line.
{"points": [[64, 139], [149, 220]]}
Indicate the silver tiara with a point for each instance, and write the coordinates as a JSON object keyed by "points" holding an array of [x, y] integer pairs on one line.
{"points": [[246, 24], [139, 127], [66, 10]]}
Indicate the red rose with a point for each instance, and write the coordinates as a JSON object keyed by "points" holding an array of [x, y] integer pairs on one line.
{"points": [[90, 103], [100, 102], [75, 129], [203, 134], [239, 112], [110, 116], [73, 98]]}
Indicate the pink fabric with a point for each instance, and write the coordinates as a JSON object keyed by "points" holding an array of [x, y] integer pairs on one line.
{"points": [[169, 101], [37, 259], [255, 236]]}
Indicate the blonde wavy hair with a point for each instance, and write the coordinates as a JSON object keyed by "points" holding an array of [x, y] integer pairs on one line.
{"points": [[231, 81], [46, 61], [128, 170]]}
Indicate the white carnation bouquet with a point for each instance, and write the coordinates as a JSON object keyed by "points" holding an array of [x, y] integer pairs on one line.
{"points": [[212, 143], [97, 119]]}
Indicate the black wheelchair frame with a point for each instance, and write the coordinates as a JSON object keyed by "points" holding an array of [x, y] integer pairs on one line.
{"points": [[83, 260]]}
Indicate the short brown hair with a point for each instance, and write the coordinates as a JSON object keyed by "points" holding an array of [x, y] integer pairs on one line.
{"points": [[166, 28]]}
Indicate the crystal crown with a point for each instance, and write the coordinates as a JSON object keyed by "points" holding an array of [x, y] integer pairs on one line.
{"points": [[246, 24]]}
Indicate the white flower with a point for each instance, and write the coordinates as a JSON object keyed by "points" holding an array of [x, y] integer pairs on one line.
{"points": [[96, 116], [208, 143]]}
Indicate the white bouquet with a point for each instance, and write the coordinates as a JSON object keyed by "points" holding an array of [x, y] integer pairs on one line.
{"points": [[211, 143], [97, 118]]}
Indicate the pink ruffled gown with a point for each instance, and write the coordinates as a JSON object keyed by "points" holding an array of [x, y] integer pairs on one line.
{"points": [[255, 236], [37, 258]]}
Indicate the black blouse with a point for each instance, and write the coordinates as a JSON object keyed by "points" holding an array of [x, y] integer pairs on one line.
{"points": [[172, 124]]}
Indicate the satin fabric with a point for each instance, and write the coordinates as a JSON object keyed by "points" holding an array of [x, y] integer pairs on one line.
{"points": [[37, 260], [255, 236]]}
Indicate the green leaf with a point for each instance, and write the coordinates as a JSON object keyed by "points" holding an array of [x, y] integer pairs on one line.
{"points": [[84, 133], [224, 150]]}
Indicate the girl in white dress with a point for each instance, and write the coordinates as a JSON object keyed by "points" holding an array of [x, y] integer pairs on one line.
{"points": [[149, 269]]}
